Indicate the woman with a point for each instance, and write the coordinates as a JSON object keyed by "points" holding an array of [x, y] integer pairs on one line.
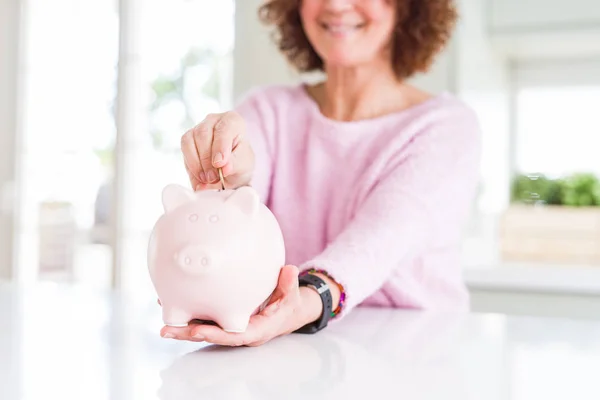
{"points": [[371, 179]]}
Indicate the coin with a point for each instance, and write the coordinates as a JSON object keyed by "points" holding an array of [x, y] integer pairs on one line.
{"points": [[221, 179]]}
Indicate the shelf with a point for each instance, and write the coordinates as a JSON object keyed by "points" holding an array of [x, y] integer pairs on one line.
{"points": [[548, 278]]}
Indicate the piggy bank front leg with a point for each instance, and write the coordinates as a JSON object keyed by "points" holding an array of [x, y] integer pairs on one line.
{"points": [[173, 316], [235, 323]]}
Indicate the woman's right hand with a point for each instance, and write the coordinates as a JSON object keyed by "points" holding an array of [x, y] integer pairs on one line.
{"points": [[218, 142]]}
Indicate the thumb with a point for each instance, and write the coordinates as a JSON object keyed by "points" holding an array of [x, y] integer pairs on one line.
{"points": [[287, 284], [288, 279]]}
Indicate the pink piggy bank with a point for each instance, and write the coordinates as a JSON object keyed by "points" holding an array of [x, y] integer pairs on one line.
{"points": [[214, 255]]}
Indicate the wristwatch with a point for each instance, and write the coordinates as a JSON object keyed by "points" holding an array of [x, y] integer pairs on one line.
{"points": [[322, 288]]}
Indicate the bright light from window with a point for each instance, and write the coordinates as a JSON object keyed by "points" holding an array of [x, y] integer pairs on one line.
{"points": [[558, 130]]}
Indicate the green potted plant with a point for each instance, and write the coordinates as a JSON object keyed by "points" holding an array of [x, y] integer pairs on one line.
{"points": [[581, 190], [536, 189], [552, 219]]}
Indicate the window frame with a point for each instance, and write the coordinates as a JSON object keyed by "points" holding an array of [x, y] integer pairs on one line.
{"points": [[11, 22]]}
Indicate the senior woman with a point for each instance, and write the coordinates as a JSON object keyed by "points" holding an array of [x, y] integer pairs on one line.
{"points": [[370, 178]]}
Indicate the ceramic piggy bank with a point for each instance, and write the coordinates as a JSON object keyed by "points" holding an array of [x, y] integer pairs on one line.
{"points": [[214, 255]]}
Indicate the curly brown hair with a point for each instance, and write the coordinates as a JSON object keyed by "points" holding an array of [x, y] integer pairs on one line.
{"points": [[423, 28]]}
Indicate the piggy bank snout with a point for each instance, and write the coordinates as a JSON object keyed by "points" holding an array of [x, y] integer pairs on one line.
{"points": [[195, 259]]}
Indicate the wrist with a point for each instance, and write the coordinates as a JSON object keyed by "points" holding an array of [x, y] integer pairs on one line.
{"points": [[312, 305]]}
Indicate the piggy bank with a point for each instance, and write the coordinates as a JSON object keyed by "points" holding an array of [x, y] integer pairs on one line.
{"points": [[214, 255]]}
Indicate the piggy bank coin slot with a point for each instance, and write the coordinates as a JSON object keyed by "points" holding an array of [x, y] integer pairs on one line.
{"points": [[203, 322]]}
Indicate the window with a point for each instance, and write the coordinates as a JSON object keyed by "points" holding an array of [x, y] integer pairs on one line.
{"points": [[185, 52], [71, 51], [556, 168], [557, 126]]}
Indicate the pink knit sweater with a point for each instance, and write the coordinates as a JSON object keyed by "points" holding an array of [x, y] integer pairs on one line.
{"points": [[379, 203]]}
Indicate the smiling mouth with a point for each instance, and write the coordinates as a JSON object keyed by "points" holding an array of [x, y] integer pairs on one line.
{"points": [[338, 29]]}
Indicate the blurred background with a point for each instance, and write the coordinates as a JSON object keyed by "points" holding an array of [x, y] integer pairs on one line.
{"points": [[95, 95]]}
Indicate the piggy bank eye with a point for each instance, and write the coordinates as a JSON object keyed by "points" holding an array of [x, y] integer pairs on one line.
{"points": [[193, 218], [213, 218]]}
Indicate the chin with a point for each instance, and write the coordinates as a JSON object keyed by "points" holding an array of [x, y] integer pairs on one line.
{"points": [[345, 60], [346, 55]]}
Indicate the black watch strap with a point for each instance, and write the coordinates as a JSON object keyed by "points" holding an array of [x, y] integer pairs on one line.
{"points": [[323, 289]]}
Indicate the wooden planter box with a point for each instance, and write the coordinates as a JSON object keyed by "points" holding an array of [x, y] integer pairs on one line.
{"points": [[556, 234]]}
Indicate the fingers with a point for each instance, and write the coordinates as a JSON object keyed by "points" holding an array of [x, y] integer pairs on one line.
{"points": [[190, 158], [272, 308], [203, 138], [257, 343], [288, 279], [228, 132], [259, 329], [208, 186], [286, 284], [179, 333], [213, 334], [216, 335], [216, 142]]}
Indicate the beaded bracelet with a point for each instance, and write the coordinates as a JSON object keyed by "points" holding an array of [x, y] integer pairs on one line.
{"points": [[342, 290]]}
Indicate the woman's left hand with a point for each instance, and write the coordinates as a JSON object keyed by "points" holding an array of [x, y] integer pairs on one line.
{"points": [[290, 307]]}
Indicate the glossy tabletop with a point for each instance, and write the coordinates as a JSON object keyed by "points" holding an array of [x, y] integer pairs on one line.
{"points": [[60, 342]]}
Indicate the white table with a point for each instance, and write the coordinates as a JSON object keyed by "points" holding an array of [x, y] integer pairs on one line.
{"points": [[68, 343]]}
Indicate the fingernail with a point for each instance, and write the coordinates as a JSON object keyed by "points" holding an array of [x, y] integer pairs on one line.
{"points": [[168, 336], [212, 176], [218, 158], [202, 176]]}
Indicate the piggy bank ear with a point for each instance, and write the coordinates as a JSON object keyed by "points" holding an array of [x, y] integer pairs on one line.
{"points": [[246, 199], [175, 195]]}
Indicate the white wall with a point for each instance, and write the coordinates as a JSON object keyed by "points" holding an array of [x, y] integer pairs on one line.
{"points": [[9, 13], [483, 81], [545, 28], [254, 49], [441, 77], [543, 14]]}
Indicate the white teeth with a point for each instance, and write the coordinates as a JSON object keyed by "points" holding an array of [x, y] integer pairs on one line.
{"points": [[340, 28]]}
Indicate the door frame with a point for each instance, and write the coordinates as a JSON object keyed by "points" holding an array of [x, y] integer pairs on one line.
{"points": [[10, 81]]}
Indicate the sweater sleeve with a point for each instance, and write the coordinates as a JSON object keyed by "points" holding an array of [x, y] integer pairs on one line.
{"points": [[430, 188], [257, 133]]}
